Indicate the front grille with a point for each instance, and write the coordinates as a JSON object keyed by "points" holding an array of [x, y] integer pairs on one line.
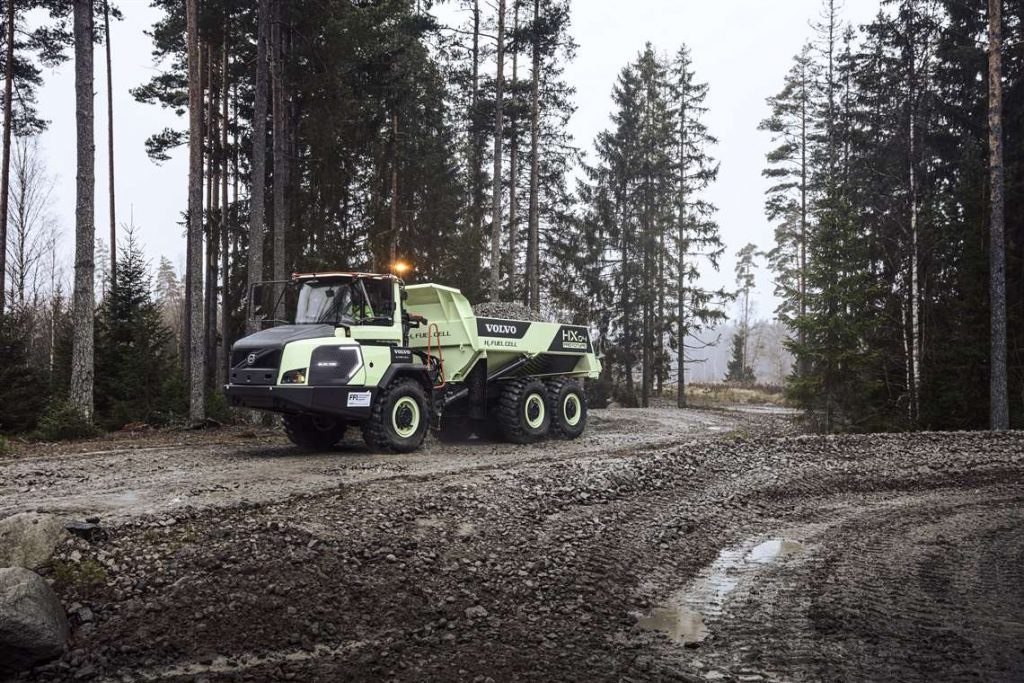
{"points": [[262, 370], [266, 359]]}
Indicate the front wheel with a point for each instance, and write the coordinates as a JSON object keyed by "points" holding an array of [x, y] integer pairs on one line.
{"points": [[568, 404], [314, 432], [399, 419]]}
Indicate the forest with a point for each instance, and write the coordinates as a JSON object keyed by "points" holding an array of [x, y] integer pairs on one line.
{"points": [[350, 135]]}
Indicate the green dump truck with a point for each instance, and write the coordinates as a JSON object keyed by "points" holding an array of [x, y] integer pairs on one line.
{"points": [[366, 350]]}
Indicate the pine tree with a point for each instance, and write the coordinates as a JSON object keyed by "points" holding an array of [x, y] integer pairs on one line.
{"points": [[697, 238], [134, 348], [20, 378], [82, 370], [788, 202]]}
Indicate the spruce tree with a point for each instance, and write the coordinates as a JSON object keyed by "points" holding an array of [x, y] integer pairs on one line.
{"points": [[696, 235], [134, 349]]}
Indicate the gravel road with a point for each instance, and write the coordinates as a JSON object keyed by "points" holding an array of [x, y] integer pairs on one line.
{"points": [[665, 545]]}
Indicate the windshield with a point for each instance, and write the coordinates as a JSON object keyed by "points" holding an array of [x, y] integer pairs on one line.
{"points": [[352, 302]]}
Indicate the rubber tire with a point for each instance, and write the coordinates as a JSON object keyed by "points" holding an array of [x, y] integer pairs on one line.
{"points": [[304, 432], [511, 411], [558, 391], [378, 432]]}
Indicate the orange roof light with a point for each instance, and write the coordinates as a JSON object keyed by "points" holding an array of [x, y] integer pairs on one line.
{"points": [[400, 267]]}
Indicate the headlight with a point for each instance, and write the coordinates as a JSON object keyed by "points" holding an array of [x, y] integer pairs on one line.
{"points": [[294, 377]]}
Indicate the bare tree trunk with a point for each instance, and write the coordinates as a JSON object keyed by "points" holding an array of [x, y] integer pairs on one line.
{"points": [[393, 254], [213, 213], [258, 179], [499, 122], [477, 143], [280, 115], [533, 236], [110, 146], [913, 296], [225, 346], [999, 410], [682, 329], [513, 160], [802, 366], [196, 345], [5, 172], [82, 368]]}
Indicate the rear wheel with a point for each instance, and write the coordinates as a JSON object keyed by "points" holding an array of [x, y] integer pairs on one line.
{"points": [[522, 411], [567, 402], [399, 419], [313, 431]]}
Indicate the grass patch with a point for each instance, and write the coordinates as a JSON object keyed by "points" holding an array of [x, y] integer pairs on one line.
{"points": [[715, 395]]}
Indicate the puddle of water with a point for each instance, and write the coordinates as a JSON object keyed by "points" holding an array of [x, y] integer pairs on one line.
{"points": [[772, 549], [682, 625], [682, 617], [129, 497]]}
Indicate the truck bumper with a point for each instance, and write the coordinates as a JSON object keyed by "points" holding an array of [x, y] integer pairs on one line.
{"points": [[351, 403]]}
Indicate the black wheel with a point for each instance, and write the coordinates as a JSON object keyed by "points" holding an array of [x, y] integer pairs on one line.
{"points": [[399, 419], [522, 411], [567, 402], [313, 431]]}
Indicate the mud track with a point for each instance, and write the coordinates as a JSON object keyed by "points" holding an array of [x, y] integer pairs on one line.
{"points": [[664, 546]]}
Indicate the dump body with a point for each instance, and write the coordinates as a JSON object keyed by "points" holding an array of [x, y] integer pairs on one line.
{"points": [[465, 339]]}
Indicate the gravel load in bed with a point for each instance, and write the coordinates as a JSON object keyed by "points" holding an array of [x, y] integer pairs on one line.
{"points": [[507, 310]]}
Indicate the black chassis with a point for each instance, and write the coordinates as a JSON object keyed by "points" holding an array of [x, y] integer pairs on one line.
{"points": [[319, 400]]}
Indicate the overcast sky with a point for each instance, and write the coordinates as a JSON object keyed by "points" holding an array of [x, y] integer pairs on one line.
{"points": [[742, 48]]}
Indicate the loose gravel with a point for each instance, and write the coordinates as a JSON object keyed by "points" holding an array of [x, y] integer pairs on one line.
{"points": [[549, 568], [507, 310]]}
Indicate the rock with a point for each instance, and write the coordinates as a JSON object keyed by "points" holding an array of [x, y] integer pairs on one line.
{"points": [[476, 612], [90, 531], [33, 626], [28, 539]]}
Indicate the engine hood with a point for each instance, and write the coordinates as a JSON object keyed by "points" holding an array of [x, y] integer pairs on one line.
{"points": [[277, 337]]}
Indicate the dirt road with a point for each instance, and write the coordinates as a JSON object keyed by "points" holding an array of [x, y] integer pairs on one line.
{"points": [[665, 546], [125, 475]]}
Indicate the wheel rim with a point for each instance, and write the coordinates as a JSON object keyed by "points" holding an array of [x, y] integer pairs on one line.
{"points": [[533, 410], [405, 417], [572, 410]]}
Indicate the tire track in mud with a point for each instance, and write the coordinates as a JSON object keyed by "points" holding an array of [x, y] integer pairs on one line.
{"points": [[907, 587]]}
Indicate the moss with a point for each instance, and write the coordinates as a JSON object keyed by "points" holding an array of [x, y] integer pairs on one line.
{"points": [[84, 578]]}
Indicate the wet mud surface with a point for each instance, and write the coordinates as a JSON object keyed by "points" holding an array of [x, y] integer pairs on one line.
{"points": [[688, 547]]}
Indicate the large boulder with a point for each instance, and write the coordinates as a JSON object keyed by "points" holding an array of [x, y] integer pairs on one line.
{"points": [[33, 626], [28, 539]]}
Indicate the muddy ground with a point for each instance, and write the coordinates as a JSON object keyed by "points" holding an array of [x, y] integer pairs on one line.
{"points": [[664, 545]]}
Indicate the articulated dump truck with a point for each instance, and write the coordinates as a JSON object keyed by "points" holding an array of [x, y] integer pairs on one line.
{"points": [[365, 350]]}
